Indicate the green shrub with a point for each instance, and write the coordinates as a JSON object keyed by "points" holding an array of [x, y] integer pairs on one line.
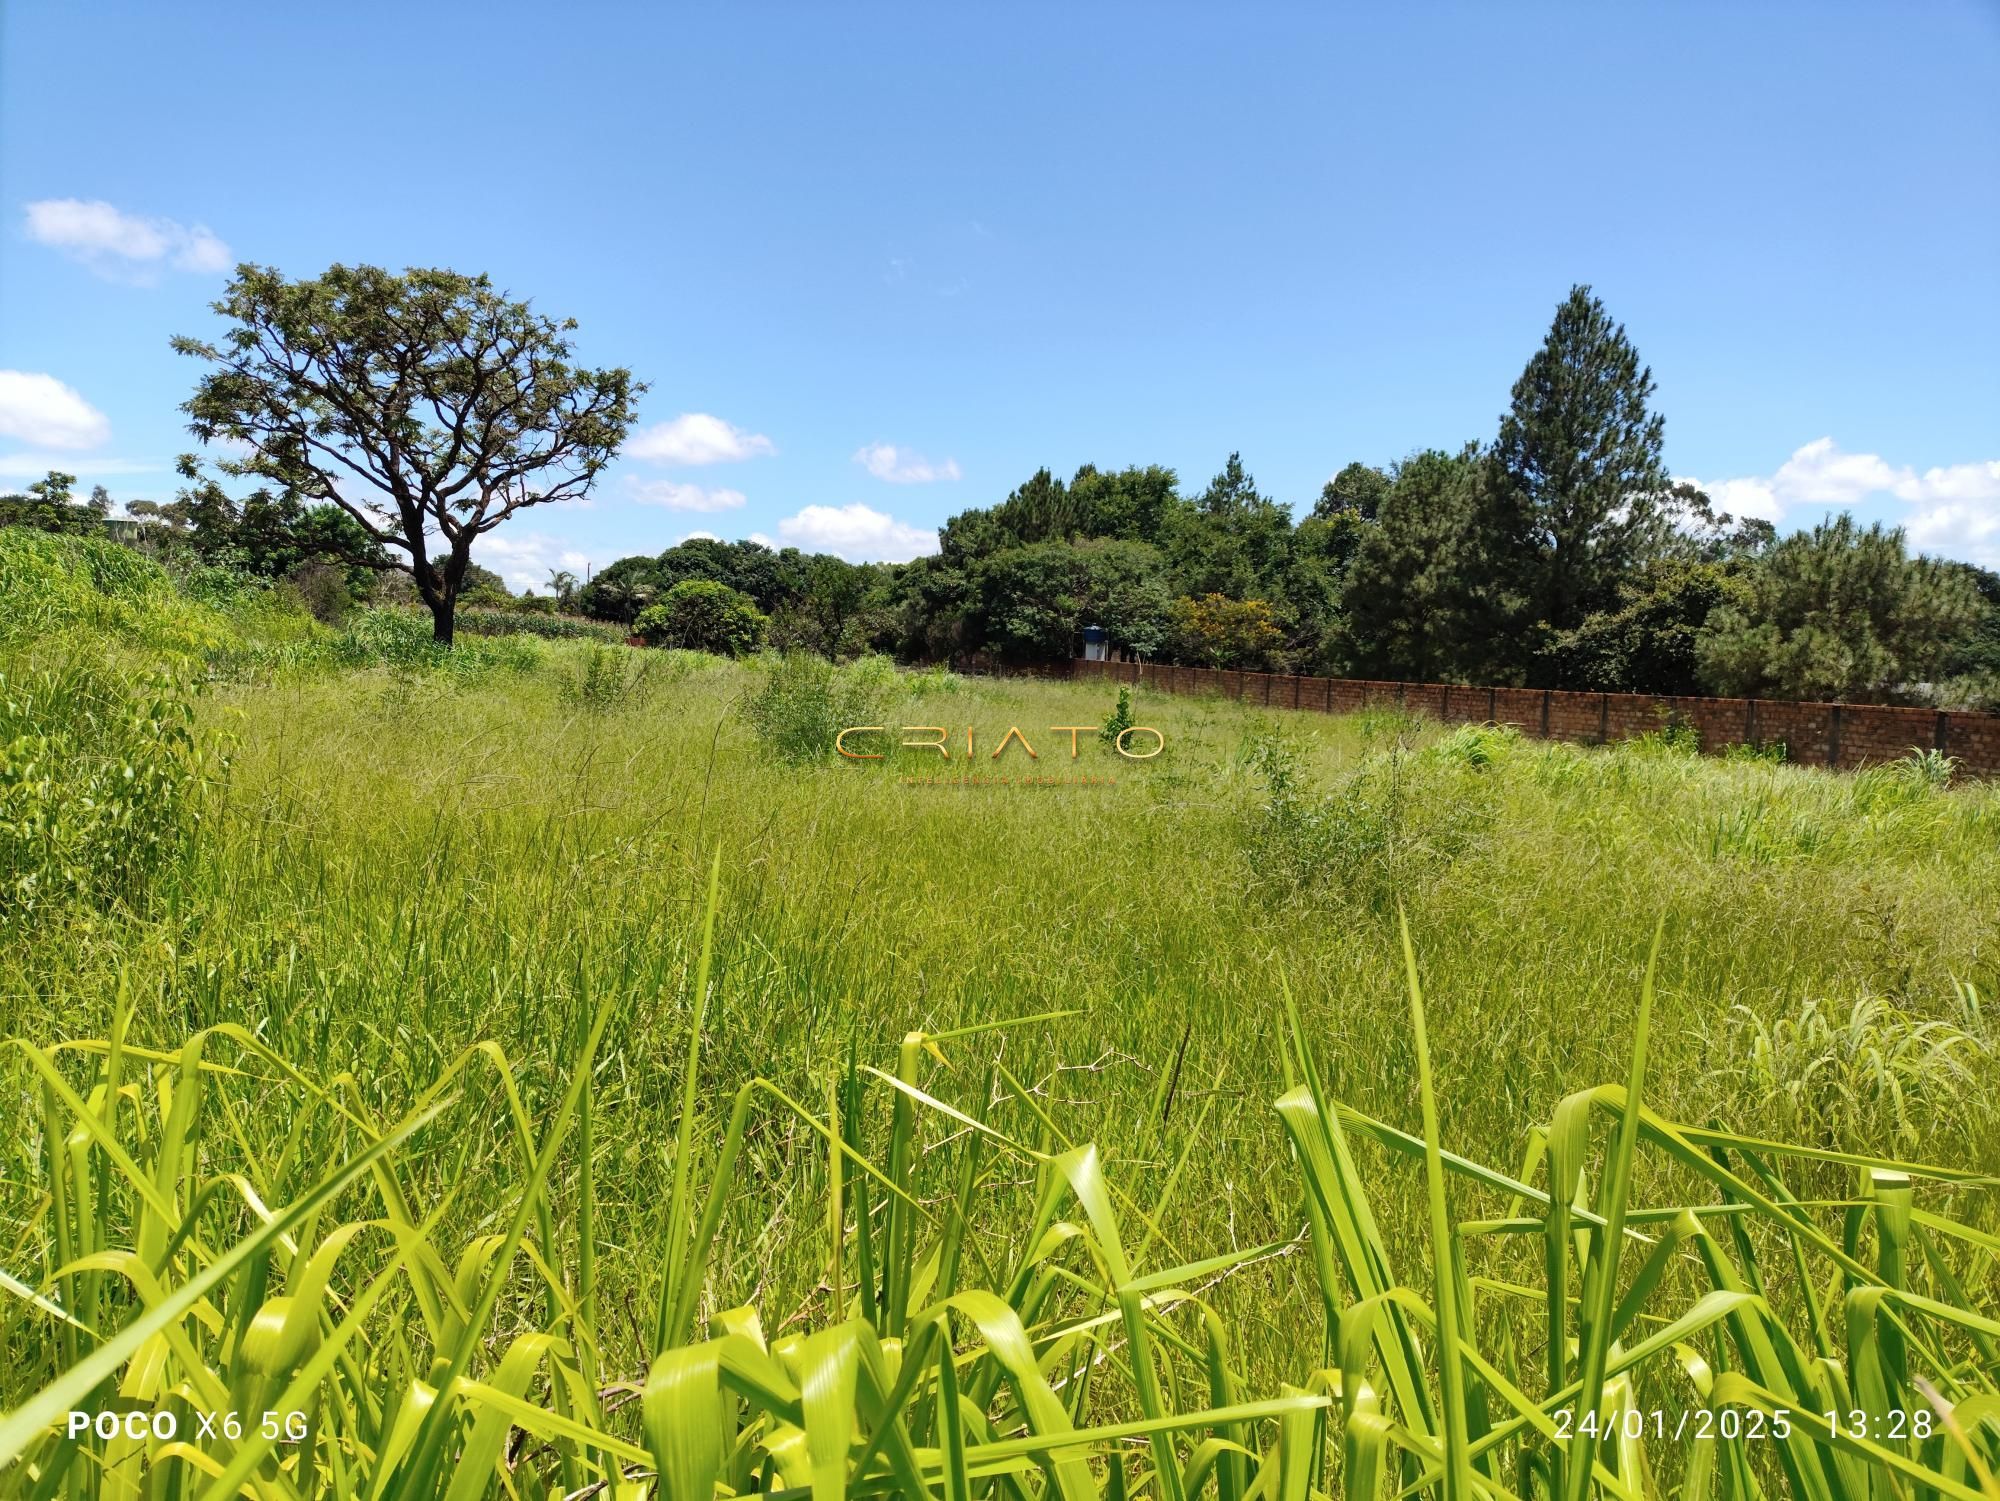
{"points": [[702, 615], [1770, 751], [607, 677], [1384, 831], [321, 589], [212, 584], [803, 701], [1119, 720], [873, 679], [927, 682], [1674, 738]]}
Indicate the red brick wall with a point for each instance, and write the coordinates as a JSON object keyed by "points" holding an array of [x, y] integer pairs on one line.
{"points": [[1844, 735]]}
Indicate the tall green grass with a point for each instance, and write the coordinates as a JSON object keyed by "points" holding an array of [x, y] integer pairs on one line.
{"points": [[1642, 1308], [421, 884]]}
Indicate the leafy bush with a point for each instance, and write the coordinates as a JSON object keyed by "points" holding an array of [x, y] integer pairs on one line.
{"points": [[99, 776], [321, 589], [701, 615], [1221, 632], [1119, 720], [1676, 738], [872, 679], [803, 701], [927, 682], [1772, 751], [213, 584]]}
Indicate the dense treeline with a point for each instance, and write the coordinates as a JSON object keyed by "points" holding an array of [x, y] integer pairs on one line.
{"points": [[1558, 554]]}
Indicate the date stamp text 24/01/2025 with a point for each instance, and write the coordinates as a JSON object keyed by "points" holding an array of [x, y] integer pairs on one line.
{"points": [[1693, 1423]]}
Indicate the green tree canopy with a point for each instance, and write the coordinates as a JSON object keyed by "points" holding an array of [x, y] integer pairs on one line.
{"points": [[50, 505], [1218, 631], [266, 534], [1648, 644], [1839, 613], [1133, 504], [701, 615], [1034, 601], [1359, 489], [1974, 659], [1578, 500], [1233, 540], [426, 405], [1425, 597]]}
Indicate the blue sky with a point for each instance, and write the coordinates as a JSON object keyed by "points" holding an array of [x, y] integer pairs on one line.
{"points": [[879, 263]]}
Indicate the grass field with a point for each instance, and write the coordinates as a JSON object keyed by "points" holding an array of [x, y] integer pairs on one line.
{"points": [[381, 868]]}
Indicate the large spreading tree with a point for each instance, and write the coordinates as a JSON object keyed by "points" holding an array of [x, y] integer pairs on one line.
{"points": [[427, 406]]}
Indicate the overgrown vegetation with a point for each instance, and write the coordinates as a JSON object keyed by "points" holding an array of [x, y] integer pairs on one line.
{"points": [[799, 702], [384, 1075], [1631, 1310], [101, 787], [701, 615]]}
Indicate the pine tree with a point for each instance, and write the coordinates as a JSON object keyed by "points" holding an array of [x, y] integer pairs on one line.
{"points": [[1840, 613], [1580, 487]]}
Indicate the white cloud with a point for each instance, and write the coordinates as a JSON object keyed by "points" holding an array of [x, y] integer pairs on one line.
{"points": [[1820, 474], [697, 438], [122, 246], [696, 536], [857, 533], [763, 541], [1958, 505], [1745, 498], [679, 497], [1972, 484], [1969, 531], [899, 466], [41, 409], [526, 559]]}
